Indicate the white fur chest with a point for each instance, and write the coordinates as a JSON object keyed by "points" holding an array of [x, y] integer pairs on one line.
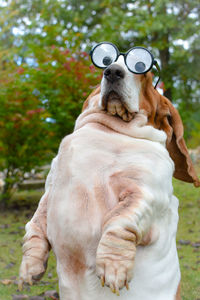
{"points": [[84, 196]]}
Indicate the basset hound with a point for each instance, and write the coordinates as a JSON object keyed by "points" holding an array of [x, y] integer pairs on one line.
{"points": [[108, 211]]}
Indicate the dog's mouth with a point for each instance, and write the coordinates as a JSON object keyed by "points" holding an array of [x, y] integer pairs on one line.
{"points": [[114, 104]]}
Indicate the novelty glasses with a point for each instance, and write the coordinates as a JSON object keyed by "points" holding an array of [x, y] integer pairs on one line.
{"points": [[138, 60]]}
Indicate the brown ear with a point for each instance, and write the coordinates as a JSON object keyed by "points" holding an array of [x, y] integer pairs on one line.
{"points": [[164, 116], [173, 126], [94, 92]]}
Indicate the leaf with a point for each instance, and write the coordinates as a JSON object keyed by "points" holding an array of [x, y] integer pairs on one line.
{"points": [[6, 281]]}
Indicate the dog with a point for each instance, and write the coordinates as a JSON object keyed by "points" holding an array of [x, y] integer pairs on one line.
{"points": [[108, 211]]}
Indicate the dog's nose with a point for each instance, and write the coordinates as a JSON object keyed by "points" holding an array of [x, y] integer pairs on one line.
{"points": [[114, 73]]}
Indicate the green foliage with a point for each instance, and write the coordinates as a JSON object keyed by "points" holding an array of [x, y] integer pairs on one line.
{"points": [[23, 134], [188, 230], [194, 138], [42, 87], [169, 28], [38, 107], [63, 79]]}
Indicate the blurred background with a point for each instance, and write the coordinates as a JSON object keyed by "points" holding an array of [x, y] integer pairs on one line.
{"points": [[45, 76]]}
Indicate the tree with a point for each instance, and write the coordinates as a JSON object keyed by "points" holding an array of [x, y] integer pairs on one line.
{"points": [[63, 79], [169, 28], [38, 106], [23, 136]]}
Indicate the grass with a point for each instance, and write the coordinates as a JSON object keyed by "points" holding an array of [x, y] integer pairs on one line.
{"points": [[12, 230], [189, 231]]}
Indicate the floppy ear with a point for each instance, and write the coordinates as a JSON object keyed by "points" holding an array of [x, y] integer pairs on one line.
{"points": [[164, 116], [173, 126], [94, 92]]}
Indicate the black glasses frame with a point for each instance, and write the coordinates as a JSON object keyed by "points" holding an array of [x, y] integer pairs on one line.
{"points": [[118, 53]]}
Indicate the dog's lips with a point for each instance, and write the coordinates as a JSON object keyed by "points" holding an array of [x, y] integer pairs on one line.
{"points": [[109, 97], [113, 96], [114, 104]]}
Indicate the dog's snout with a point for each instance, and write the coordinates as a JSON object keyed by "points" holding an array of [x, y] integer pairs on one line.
{"points": [[114, 73]]}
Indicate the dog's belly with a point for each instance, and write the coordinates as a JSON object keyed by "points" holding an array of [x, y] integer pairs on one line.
{"points": [[156, 269], [156, 276], [78, 202]]}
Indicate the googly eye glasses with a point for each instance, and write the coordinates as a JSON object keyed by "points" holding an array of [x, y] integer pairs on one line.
{"points": [[138, 60]]}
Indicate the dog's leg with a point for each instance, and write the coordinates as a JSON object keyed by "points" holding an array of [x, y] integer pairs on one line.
{"points": [[123, 230], [36, 246]]}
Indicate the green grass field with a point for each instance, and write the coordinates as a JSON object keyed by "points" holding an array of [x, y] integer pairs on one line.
{"points": [[188, 243]]}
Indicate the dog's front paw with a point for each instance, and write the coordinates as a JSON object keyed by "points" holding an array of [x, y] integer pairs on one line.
{"points": [[31, 269], [34, 261], [115, 260], [115, 273]]}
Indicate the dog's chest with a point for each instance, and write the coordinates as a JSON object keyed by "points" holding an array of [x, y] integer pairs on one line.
{"points": [[82, 194], [91, 151], [83, 189]]}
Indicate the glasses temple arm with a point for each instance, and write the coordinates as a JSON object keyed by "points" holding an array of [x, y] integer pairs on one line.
{"points": [[158, 68]]}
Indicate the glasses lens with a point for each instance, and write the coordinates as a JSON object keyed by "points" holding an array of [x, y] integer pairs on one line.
{"points": [[103, 55], [139, 60]]}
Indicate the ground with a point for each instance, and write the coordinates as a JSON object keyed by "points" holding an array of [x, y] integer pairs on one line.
{"points": [[12, 230]]}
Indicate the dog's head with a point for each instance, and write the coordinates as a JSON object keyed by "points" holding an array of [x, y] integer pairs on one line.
{"points": [[120, 90], [122, 94]]}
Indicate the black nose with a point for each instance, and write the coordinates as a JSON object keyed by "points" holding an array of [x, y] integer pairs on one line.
{"points": [[114, 73]]}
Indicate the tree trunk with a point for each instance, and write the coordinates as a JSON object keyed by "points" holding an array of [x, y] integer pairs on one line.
{"points": [[5, 196], [165, 58]]}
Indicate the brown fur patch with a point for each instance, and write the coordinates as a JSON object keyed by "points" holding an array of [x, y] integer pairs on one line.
{"points": [[73, 260], [126, 189], [39, 219], [76, 262], [86, 103], [147, 239], [102, 127], [178, 293]]}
